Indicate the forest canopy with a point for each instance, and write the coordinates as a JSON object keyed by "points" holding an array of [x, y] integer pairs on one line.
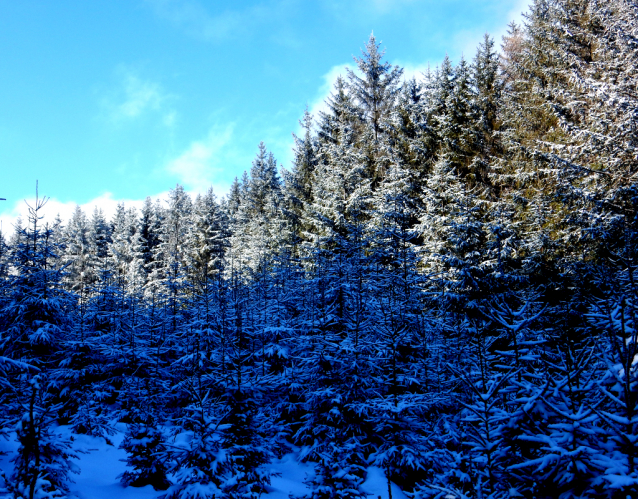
{"points": [[441, 285]]}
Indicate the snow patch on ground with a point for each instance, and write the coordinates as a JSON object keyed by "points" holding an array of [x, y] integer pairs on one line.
{"points": [[101, 464], [292, 475], [376, 484]]}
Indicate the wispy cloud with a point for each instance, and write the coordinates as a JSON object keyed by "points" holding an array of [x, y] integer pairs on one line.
{"points": [[202, 163], [169, 119], [134, 96], [318, 103], [520, 6], [196, 20], [411, 70], [326, 87]]}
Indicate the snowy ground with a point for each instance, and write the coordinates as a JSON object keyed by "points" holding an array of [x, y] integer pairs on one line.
{"points": [[100, 465]]}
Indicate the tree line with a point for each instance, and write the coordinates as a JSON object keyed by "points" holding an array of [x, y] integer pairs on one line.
{"points": [[442, 285]]}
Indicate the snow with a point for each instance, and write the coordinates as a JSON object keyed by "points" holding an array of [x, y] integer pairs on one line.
{"points": [[100, 467], [292, 475], [101, 463], [376, 484]]}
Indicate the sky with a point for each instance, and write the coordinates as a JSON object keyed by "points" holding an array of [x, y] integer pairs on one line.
{"points": [[105, 101]]}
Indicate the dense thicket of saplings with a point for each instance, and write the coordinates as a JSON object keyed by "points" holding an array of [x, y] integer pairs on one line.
{"points": [[443, 286]]}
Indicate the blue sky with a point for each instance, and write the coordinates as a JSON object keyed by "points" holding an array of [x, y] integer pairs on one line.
{"points": [[108, 100]]}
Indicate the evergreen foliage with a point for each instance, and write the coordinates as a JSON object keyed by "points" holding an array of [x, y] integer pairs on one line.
{"points": [[442, 286]]}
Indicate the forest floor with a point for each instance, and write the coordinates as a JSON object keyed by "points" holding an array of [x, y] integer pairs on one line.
{"points": [[101, 463]]}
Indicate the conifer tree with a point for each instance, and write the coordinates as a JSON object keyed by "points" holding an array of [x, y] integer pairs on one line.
{"points": [[36, 313], [145, 445], [207, 238], [258, 222], [42, 464], [76, 253], [613, 315], [341, 109], [149, 233], [396, 288], [376, 89], [486, 100]]}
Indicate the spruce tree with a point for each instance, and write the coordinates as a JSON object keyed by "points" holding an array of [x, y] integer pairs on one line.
{"points": [[376, 89], [42, 464]]}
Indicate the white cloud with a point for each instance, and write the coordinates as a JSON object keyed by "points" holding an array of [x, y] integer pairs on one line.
{"points": [[466, 42], [55, 207], [196, 20], [516, 13], [326, 87], [135, 96], [366, 11], [169, 119], [415, 71], [140, 95], [340, 9], [199, 166], [106, 202]]}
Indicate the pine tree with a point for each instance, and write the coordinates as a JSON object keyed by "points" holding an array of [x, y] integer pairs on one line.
{"points": [[234, 198], [376, 89], [339, 472], [258, 222], [341, 109], [35, 314], [398, 325], [99, 239], [149, 233], [126, 250], [42, 464], [613, 315], [198, 465], [207, 239], [145, 445], [297, 184], [77, 251], [484, 107]]}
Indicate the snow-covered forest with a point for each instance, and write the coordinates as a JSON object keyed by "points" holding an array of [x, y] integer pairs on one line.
{"points": [[443, 286]]}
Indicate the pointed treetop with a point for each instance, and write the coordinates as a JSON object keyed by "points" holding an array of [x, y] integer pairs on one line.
{"points": [[375, 91]]}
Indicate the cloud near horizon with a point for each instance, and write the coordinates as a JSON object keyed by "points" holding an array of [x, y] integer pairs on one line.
{"points": [[325, 89], [464, 42], [202, 163], [64, 209], [54, 207], [330, 77]]}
